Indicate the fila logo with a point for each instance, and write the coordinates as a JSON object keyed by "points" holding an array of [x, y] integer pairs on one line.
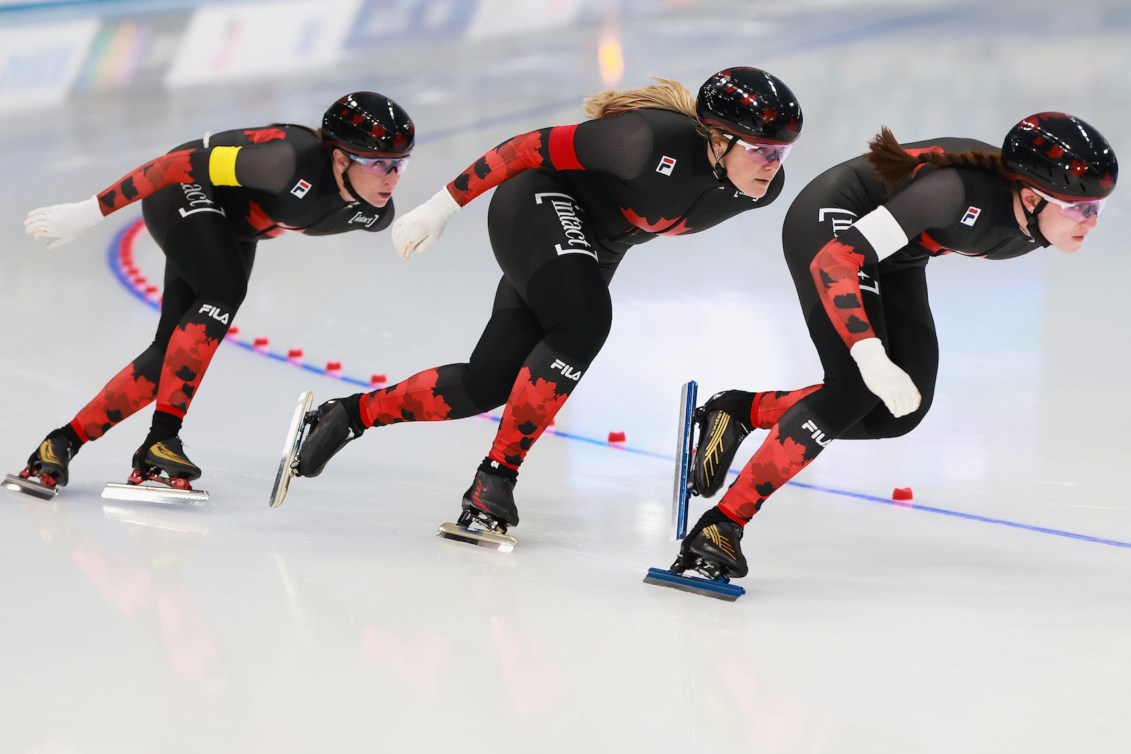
{"points": [[301, 188], [971, 216], [817, 434], [214, 312], [566, 370], [666, 166], [840, 224]]}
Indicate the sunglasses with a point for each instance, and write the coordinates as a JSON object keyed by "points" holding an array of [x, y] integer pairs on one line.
{"points": [[764, 154], [1078, 211], [381, 165]]}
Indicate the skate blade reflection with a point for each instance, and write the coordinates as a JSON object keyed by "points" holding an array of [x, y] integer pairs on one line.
{"points": [[147, 494], [164, 518], [29, 487], [500, 542], [717, 588]]}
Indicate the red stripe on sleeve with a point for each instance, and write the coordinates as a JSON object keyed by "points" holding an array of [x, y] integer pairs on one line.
{"points": [[562, 153]]}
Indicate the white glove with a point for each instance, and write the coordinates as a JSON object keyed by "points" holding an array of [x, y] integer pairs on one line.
{"points": [[415, 231], [63, 223], [884, 378]]}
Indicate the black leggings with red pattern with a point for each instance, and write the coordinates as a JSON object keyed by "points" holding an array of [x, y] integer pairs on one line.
{"points": [[549, 320], [206, 273]]}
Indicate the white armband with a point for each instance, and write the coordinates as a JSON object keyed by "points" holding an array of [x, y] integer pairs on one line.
{"points": [[882, 231]]}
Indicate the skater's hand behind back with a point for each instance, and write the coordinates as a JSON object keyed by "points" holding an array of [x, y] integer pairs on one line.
{"points": [[63, 223], [417, 230]]}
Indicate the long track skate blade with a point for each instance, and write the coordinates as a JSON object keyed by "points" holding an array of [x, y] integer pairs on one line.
{"points": [[685, 437], [28, 487], [295, 433], [718, 589], [144, 493], [500, 542]]}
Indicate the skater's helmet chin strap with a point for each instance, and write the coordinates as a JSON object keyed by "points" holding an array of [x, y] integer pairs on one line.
{"points": [[1032, 219], [720, 169]]}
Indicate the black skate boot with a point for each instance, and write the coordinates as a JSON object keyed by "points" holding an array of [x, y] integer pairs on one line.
{"points": [[489, 501], [712, 548], [164, 461], [50, 460], [46, 468], [724, 422], [332, 427]]}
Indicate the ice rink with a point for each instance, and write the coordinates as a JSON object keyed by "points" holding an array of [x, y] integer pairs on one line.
{"points": [[992, 614]]}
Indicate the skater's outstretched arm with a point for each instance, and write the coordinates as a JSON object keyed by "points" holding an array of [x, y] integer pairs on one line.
{"points": [[621, 146], [261, 166]]}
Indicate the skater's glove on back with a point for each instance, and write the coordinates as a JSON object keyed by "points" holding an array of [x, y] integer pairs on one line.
{"points": [[417, 230], [893, 386], [63, 223]]}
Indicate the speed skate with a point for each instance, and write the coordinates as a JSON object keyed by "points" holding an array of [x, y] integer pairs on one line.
{"points": [[478, 529], [715, 585], [44, 490], [155, 488], [295, 435]]}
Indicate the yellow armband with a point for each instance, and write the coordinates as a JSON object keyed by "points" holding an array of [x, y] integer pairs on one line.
{"points": [[222, 166]]}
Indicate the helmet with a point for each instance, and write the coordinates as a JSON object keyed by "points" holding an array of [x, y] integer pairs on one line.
{"points": [[1061, 155], [368, 124], [750, 104]]}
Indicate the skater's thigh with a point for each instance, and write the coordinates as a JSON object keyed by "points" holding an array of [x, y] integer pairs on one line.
{"points": [[911, 341], [513, 330], [511, 334], [533, 220], [199, 244], [177, 298]]}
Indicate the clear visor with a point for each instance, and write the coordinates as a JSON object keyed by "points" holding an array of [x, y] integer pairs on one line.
{"points": [[1078, 211], [381, 165], [764, 154]]}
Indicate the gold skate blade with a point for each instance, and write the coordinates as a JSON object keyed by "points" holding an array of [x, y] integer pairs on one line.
{"points": [[151, 494], [500, 542], [290, 450], [28, 487]]}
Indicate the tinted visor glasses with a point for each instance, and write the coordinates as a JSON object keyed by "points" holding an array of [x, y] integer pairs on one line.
{"points": [[1078, 211], [381, 165], [764, 154]]}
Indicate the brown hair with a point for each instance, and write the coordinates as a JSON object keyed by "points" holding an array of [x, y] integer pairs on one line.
{"points": [[667, 95], [893, 164]]}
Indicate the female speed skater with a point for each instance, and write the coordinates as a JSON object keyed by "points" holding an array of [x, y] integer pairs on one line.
{"points": [[571, 201], [207, 204], [857, 240]]}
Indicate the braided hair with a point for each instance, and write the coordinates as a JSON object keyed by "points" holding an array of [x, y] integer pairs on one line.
{"points": [[894, 164]]}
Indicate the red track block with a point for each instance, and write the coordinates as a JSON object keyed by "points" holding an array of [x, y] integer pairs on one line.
{"points": [[378, 379], [616, 437], [295, 354], [259, 342], [901, 494], [333, 366]]}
